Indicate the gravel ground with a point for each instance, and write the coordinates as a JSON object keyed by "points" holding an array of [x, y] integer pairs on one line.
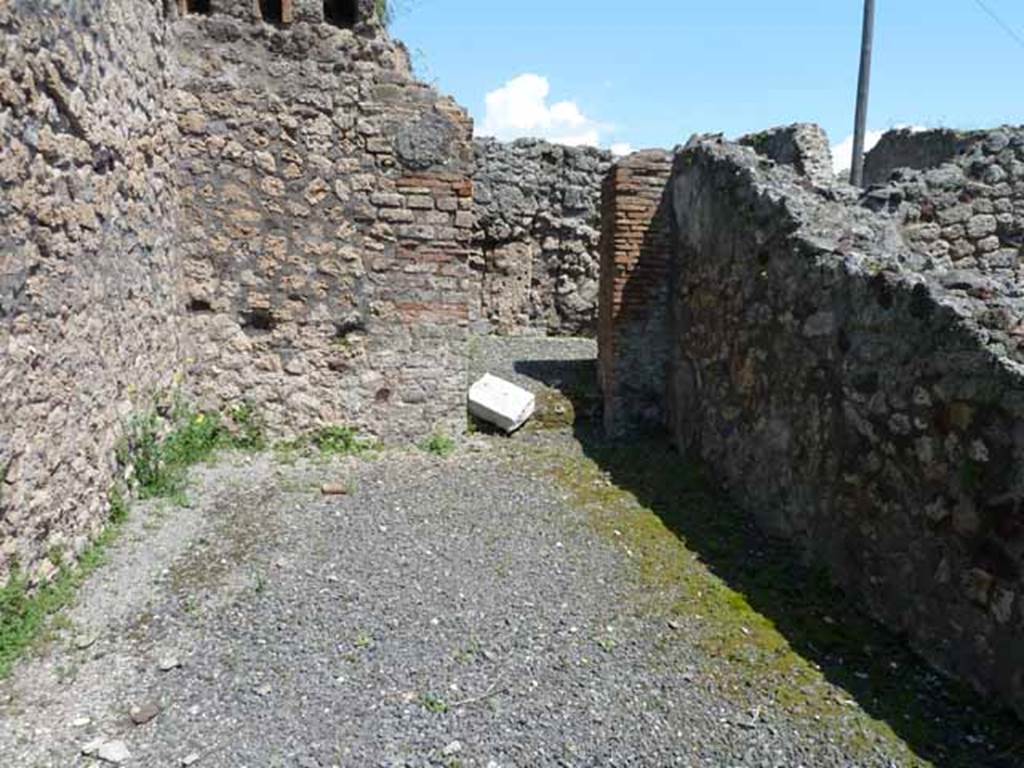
{"points": [[457, 611]]}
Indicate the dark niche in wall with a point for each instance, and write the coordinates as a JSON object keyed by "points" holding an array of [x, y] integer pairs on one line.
{"points": [[271, 11], [341, 13], [198, 6], [258, 319]]}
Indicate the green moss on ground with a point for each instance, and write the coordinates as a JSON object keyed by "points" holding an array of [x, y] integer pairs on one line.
{"points": [[25, 613], [553, 411], [157, 451], [777, 634]]}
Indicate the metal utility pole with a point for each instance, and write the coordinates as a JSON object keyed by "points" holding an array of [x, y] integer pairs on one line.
{"points": [[863, 88]]}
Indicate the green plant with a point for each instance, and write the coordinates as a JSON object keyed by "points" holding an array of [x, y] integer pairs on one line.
{"points": [[384, 12], [338, 441], [249, 429], [363, 641], [24, 613], [160, 451], [118, 506], [439, 445], [434, 704]]}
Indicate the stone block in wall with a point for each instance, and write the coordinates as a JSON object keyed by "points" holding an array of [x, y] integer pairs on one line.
{"points": [[311, 11]]}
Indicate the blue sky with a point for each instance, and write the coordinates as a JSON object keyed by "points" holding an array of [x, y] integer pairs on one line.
{"points": [[651, 72]]}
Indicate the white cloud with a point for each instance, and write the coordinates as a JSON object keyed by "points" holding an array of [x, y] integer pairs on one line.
{"points": [[621, 149], [520, 108], [842, 153]]}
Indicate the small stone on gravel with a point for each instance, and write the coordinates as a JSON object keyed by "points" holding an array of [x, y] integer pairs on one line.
{"points": [[190, 759], [145, 713], [167, 663], [115, 752], [453, 748], [333, 489]]}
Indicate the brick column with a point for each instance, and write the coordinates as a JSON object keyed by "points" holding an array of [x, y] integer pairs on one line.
{"points": [[636, 261]]}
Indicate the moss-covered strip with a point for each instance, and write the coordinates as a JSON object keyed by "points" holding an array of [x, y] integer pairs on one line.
{"points": [[158, 452], [24, 613], [776, 634]]}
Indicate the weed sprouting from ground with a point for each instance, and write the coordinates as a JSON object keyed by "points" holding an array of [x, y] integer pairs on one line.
{"points": [[439, 445], [327, 442], [159, 451], [249, 434], [434, 704], [339, 441]]}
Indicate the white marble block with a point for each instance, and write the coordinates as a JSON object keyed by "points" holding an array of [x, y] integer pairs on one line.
{"points": [[501, 403]]}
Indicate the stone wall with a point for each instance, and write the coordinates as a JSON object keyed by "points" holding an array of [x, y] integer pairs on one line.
{"points": [[537, 209], [908, 148], [90, 314], [966, 213], [636, 262], [269, 213], [802, 146], [856, 400], [327, 222], [354, 14]]}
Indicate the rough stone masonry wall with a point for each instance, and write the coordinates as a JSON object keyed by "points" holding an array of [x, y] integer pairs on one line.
{"points": [[917, 150], [538, 219], [967, 211], [90, 320], [327, 227], [802, 146], [855, 404], [637, 260]]}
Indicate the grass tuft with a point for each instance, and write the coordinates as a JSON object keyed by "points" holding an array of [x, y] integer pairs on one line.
{"points": [[339, 441], [326, 442], [439, 445], [434, 704]]}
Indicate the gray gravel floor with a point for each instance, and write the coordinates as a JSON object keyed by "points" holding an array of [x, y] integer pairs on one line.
{"points": [[446, 612]]}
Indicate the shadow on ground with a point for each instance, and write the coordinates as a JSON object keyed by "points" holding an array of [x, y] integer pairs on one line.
{"points": [[940, 720]]}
